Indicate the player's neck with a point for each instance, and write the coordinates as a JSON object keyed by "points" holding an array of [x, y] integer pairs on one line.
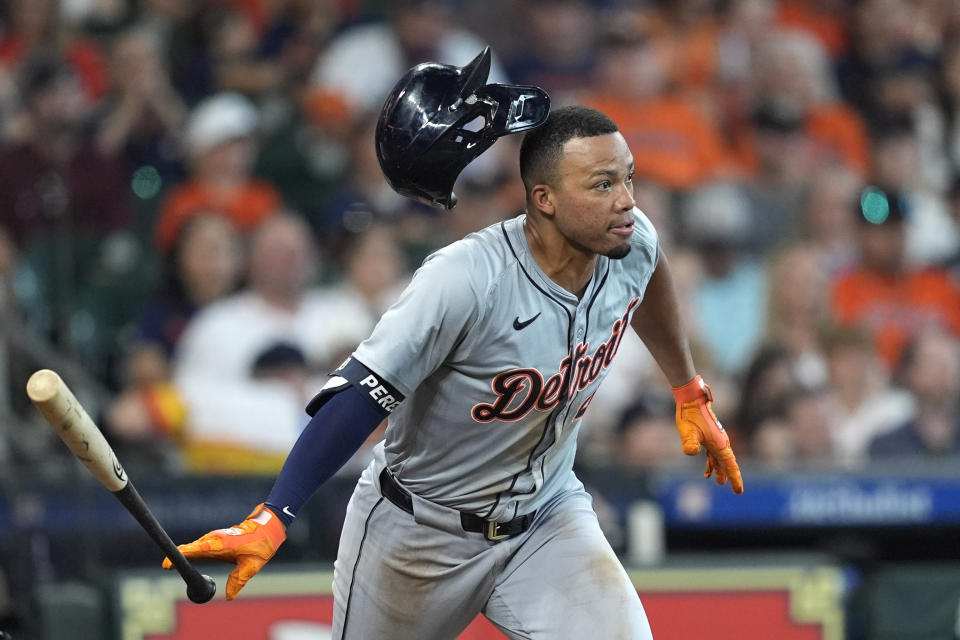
{"points": [[566, 265]]}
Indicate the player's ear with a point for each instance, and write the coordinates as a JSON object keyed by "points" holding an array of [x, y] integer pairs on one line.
{"points": [[542, 197]]}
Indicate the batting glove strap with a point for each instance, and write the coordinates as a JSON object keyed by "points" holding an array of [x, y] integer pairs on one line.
{"points": [[696, 389], [268, 523]]}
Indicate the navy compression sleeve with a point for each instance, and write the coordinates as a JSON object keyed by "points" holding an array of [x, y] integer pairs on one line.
{"points": [[335, 433]]}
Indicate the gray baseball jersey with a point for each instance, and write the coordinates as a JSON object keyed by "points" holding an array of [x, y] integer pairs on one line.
{"points": [[497, 365]]}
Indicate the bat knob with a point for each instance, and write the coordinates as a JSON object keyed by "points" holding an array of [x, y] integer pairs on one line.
{"points": [[201, 592]]}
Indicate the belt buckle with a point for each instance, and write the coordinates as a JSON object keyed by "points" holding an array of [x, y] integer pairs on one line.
{"points": [[493, 532]]}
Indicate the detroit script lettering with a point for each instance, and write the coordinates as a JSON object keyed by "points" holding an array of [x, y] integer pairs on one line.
{"points": [[511, 385]]}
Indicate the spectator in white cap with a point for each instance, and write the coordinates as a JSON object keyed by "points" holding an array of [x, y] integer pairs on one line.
{"points": [[221, 118], [221, 142]]}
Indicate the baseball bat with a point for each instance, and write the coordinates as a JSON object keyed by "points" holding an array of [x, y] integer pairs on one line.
{"points": [[61, 409]]}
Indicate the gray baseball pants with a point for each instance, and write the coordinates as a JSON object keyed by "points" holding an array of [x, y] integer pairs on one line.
{"points": [[422, 577]]}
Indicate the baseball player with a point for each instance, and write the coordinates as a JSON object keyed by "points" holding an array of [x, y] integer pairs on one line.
{"points": [[484, 368]]}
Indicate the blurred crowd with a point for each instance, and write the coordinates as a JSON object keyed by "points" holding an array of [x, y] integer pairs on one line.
{"points": [[191, 208]]}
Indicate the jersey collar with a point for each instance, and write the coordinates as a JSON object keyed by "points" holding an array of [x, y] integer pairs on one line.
{"points": [[518, 240]]}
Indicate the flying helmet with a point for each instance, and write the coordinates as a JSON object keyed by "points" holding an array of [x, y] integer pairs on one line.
{"points": [[440, 117]]}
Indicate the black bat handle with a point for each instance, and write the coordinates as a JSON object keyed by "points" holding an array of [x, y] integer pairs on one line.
{"points": [[200, 587]]}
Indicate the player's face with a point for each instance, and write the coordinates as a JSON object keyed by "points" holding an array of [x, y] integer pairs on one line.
{"points": [[594, 195]]}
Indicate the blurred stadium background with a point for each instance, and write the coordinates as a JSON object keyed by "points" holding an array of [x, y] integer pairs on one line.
{"points": [[194, 229]]}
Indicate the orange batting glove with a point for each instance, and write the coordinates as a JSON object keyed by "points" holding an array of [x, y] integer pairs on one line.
{"points": [[249, 545], [698, 426]]}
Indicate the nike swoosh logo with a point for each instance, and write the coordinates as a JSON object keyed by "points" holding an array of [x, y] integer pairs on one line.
{"points": [[520, 325], [287, 511]]}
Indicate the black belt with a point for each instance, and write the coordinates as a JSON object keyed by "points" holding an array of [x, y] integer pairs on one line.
{"points": [[493, 531]]}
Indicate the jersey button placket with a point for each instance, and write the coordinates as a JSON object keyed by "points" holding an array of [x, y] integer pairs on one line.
{"points": [[579, 321]]}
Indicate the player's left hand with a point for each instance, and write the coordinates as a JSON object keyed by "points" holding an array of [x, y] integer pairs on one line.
{"points": [[699, 428], [249, 545]]}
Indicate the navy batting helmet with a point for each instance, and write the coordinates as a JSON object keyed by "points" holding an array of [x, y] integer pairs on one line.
{"points": [[440, 117]]}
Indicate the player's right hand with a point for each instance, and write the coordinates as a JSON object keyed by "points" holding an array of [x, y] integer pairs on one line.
{"points": [[249, 545], [699, 428]]}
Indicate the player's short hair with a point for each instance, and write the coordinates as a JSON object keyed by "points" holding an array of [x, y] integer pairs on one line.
{"points": [[541, 148]]}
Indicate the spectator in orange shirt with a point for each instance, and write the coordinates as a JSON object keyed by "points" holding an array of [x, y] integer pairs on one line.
{"points": [[826, 20], [793, 73], [36, 25], [673, 143], [689, 33], [893, 301], [222, 148]]}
